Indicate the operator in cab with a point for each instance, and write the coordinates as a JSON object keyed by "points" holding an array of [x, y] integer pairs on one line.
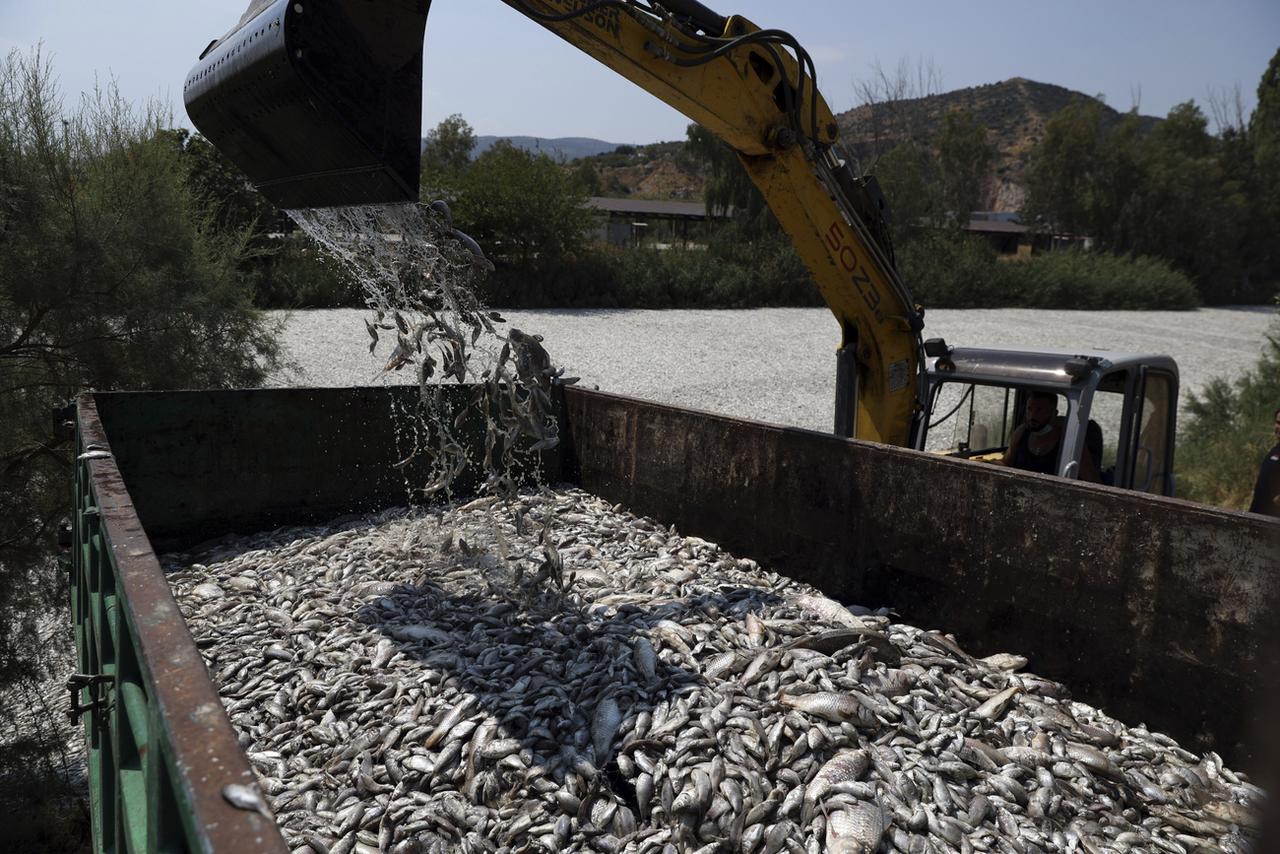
{"points": [[1037, 442], [1266, 492]]}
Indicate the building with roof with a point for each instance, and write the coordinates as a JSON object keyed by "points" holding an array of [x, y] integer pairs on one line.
{"points": [[632, 222], [1009, 237]]}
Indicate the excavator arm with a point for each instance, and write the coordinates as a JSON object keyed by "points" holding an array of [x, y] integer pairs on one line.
{"points": [[319, 102]]}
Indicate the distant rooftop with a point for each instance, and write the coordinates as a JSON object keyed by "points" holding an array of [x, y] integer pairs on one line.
{"points": [[995, 226], [650, 207]]}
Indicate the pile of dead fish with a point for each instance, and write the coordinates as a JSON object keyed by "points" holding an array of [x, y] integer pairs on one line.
{"points": [[555, 674]]}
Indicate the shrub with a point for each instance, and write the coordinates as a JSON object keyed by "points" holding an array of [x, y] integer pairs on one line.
{"points": [[111, 276], [298, 275], [760, 272], [946, 271], [1096, 280], [1227, 431]]}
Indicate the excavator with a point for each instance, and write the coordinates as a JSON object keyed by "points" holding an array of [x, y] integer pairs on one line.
{"points": [[319, 102]]}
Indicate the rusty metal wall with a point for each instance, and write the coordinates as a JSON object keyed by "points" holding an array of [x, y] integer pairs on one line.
{"points": [[1156, 609], [204, 463]]}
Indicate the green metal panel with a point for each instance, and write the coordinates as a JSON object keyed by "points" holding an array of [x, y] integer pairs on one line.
{"points": [[160, 749]]}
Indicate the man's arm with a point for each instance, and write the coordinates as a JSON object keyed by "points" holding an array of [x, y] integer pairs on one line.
{"points": [[1007, 459]]}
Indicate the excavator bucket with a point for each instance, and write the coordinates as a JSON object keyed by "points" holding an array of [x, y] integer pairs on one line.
{"points": [[319, 102]]}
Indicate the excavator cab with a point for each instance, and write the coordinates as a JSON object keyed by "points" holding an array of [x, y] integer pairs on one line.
{"points": [[1119, 407], [319, 102]]}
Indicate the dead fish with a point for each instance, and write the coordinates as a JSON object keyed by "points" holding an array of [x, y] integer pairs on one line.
{"points": [[604, 726], [845, 766], [342, 651], [646, 660], [1005, 661], [830, 610], [245, 797], [833, 707], [447, 722], [856, 829], [994, 708]]}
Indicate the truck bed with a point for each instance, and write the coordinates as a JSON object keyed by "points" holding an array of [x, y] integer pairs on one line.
{"points": [[1154, 609]]}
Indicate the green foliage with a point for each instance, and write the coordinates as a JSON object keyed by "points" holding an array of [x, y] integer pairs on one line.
{"points": [[1179, 193], [285, 271], [1227, 431], [953, 271], [224, 194], [964, 158], [112, 275], [905, 177], [944, 271], [733, 272], [1060, 177], [1263, 137], [729, 187], [939, 183], [296, 274], [1096, 280], [521, 207], [587, 177], [446, 157]]}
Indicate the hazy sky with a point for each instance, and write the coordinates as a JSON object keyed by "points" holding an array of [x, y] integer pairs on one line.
{"points": [[507, 75]]}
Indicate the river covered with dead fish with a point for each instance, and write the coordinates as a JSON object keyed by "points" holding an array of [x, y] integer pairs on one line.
{"points": [[556, 674]]}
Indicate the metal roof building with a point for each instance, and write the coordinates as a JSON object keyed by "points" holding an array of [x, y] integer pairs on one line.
{"points": [[633, 221]]}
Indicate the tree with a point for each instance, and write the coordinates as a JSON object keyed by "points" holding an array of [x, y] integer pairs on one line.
{"points": [[1228, 430], [223, 192], [893, 107], [1060, 175], [1264, 139], [1178, 193], [446, 156], [904, 175], [588, 177], [111, 276], [522, 206], [964, 158], [1190, 213], [729, 188]]}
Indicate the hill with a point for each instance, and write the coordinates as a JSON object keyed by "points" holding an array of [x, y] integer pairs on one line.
{"points": [[1014, 111], [660, 170], [562, 148]]}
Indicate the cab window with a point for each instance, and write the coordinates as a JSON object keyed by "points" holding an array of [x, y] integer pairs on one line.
{"points": [[1107, 413], [1151, 452], [971, 420]]}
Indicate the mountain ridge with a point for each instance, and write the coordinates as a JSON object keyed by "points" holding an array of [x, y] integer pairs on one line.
{"points": [[1015, 112], [566, 148]]}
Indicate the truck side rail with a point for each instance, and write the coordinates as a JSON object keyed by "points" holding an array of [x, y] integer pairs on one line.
{"points": [[160, 749]]}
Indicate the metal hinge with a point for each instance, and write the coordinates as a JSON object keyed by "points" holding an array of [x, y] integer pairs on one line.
{"points": [[97, 701]]}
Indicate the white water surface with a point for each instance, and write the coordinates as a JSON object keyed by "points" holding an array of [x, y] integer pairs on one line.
{"points": [[778, 364]]}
